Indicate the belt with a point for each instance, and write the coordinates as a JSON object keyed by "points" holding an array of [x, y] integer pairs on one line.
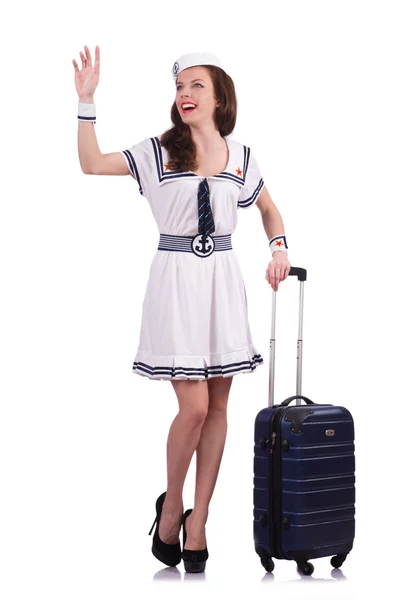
{"points": [[201, 244]]}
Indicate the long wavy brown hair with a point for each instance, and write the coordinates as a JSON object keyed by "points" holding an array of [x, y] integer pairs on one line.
{"points": [[178, 139]]}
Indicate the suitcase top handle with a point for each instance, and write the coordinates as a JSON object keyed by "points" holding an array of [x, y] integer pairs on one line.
{"points": [[288, 400], [300, 273]]}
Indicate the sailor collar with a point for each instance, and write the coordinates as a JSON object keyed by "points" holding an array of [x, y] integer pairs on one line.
{"points": [[234, 171]]}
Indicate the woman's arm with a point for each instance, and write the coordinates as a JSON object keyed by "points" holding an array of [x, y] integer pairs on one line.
{"points": [[271, 218]]}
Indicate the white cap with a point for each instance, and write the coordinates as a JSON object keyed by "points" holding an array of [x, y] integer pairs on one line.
{"points": [[194, 59]]}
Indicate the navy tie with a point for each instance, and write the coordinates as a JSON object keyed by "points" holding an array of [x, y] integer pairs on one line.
{"points": [[206, 223]]}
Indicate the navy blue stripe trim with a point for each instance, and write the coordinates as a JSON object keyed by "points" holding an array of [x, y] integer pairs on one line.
{"points": [[133, 168], [213, 370], [246, 203], [227, 175], [81, 118], [247, 153], [177, 176], [157, 156], [191, 237]]}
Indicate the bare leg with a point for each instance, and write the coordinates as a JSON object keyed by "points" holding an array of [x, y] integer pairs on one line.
{"points": [[182, 441], [209, 455]]}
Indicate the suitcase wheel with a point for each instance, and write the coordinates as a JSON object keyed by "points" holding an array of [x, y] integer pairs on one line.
{"points": [[267, 563], [305, 568], [338, 560]]}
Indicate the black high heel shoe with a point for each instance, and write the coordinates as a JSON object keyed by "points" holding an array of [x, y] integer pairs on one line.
{"points": [[169, 554], [194, 560]]}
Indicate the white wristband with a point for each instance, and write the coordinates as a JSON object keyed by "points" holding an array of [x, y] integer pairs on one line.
{"points": [[277, 243], [86, 112]]}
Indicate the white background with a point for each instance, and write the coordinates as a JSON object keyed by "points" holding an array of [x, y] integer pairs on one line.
{"points": [[82, 439]]}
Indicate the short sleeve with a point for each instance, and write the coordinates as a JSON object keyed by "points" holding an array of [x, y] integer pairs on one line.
{"points": [[253, 182], [139, 159]]}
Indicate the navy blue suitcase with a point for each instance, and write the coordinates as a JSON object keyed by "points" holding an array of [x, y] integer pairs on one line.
{"points": [[304, 473]]}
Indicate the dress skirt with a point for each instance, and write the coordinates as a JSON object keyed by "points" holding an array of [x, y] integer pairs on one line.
{"points": [[195, 318]]}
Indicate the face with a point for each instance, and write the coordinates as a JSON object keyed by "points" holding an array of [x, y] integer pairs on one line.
{"points": [[195, 85]]}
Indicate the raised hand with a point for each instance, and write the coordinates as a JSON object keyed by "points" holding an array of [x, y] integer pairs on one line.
{"points": [[87, 78]]}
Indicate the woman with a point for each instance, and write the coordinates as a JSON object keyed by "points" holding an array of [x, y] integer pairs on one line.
{"points": [[195, 330]]}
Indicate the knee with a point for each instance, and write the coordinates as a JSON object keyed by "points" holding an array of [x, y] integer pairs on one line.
{"points": [[193, 401], [195, 415], [219, 408]]}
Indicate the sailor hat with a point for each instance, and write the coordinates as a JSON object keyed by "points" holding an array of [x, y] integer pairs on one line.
{"points": [[194, 59]]}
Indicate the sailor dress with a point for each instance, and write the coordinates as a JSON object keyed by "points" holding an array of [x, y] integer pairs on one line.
{"points": [[195, 315]]}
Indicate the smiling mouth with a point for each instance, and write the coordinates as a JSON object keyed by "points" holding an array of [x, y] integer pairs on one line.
{"points": [[188, 110]]}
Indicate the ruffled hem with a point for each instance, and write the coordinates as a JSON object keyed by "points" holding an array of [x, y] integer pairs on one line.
{"points": [[196, 367]]}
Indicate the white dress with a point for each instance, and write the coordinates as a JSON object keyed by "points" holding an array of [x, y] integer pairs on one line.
{"points": [[195, 316]]}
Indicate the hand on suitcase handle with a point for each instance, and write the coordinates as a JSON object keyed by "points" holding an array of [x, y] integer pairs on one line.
{"points": [[288, 400], [273, 274], [278, 269]]}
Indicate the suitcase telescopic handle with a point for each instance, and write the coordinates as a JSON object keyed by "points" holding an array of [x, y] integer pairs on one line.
{"points": [[301, 275], [288, 400]]}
